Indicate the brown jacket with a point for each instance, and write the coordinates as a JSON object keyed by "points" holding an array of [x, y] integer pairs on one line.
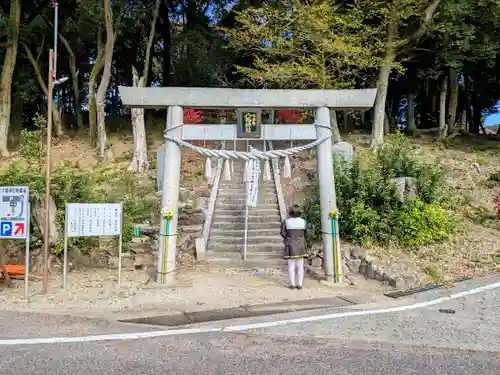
{"points": [[295, 241]]}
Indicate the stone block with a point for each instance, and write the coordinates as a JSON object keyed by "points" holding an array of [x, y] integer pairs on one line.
{"points": [[369, 259], [379, 275], [407, 188], [358, 253], [354, 265], [127, 262], [191, 218], [363, 268], [344, 150], [370, 271], [317, 262], [201, 252], [185, 195], [201, 203], [144, 260]]}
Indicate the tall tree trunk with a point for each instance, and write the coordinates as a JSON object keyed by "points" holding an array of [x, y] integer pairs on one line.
{"points": [[335, 126], [383, 85], [453, 100], [16, 117], [56, 114], [9, 63], [96, 69], [476, 112], [468, 113], [105, 79], [73, 73], [167, 45], [140, 161], [387, 124], [74, 79], [410, 113], [443, 128]]}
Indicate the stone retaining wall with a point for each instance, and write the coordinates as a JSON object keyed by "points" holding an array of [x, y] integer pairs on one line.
{"points": [[192, 213]]}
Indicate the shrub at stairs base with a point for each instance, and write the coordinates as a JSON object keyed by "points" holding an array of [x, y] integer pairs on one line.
{"points": [[370, 203]]}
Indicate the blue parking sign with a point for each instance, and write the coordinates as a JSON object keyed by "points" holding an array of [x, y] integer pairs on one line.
{"points": [[5, 229]]}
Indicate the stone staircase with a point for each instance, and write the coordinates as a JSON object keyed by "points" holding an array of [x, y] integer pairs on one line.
{"points": [[227, 234]]}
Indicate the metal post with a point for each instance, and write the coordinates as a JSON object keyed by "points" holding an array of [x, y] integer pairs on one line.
{"points": [[56, 34], [27, 254], [120, 246], [246, 221], [46, 235], [170, 198], [328, 201], [65, 251]]}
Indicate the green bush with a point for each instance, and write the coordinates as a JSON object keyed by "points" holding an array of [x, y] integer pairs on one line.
{"points": [[493, 179], [369, 205], [71, 184]]}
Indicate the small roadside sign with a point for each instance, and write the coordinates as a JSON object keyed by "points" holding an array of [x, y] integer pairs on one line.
{"points": [[15, 221], [14, 212]]}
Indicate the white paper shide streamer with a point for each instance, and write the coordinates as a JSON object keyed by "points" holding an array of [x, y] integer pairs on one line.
{"points": [[267, 171], [287, 168], [226, 173], [208, 170]]}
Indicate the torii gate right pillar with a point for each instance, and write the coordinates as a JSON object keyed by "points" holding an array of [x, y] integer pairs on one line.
{"points": [[328, 199]]}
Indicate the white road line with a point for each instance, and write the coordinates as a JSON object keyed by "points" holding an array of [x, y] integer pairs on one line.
{"points": [[188, 331]]}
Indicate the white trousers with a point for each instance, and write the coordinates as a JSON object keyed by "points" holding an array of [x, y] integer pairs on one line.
{"points": [[296, 267]]}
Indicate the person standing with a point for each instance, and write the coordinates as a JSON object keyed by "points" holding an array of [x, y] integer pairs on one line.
{"points": [[293, 231]]}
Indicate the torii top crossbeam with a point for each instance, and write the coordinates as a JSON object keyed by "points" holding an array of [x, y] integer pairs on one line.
{"points": [[207, 97]]}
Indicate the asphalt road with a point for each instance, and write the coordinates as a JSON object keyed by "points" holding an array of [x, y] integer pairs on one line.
{"points": [[414, 341], [242, 354]]}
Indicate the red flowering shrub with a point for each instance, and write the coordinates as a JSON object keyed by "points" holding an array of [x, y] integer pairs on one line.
{"points": [[192, 116], [289, 116]]}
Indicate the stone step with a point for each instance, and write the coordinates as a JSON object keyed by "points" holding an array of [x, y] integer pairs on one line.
{"points": [[217, 247], [243, 192], [241, 184], [271, 212], [241, 207], [271, 219], [251, 225], [262, 186], [242, 201], [241, 232], [265, 255], [243, 197], [277, 264], [224, 257], [251, 240]]}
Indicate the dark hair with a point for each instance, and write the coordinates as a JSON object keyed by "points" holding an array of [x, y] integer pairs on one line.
{"points": [[295, 211]]}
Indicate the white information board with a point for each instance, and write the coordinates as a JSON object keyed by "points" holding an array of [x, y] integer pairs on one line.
{"points": [[93, 219], [14, 212]]}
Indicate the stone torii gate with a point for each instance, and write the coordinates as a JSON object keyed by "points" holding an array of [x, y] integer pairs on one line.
{"points": [[175, 98]]}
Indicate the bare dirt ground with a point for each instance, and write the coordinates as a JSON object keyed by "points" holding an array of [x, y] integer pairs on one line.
{"points": [[96, 293]]}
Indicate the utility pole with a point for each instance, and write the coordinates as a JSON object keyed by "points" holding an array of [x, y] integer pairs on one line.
{"points": [[48, 163], [46, 234]]}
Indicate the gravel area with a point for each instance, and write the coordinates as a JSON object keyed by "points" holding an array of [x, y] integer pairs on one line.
{"points": [[95, 293]]}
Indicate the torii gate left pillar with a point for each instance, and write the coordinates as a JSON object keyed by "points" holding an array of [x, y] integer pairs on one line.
{"points": [[167, 252]]}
